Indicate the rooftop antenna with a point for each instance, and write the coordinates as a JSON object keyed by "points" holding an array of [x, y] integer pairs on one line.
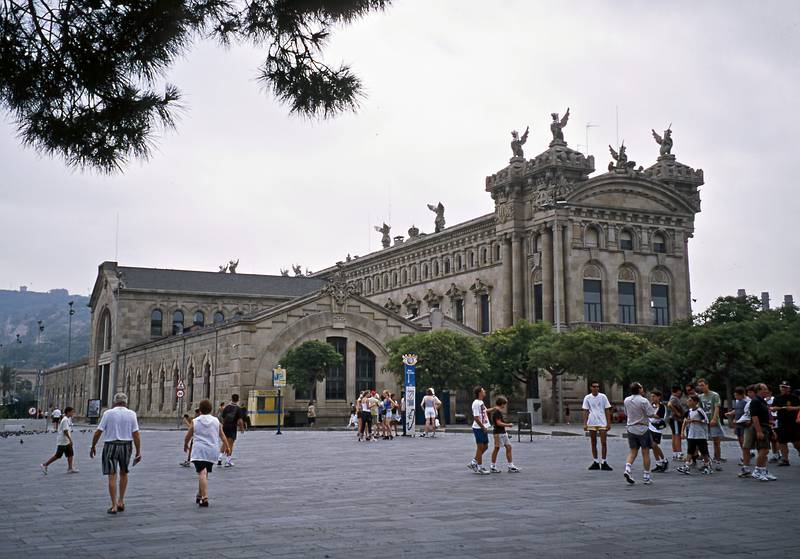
{"points": [[589, 125]]}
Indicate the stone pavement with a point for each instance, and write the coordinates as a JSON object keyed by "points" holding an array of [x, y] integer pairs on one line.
{"points": [[322, 495]]}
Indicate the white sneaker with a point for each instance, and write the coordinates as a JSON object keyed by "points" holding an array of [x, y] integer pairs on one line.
{"points": [[493, 469], [483, 471], [74, 471], [512, 469], [473, 466], [758, 476], [629, 477], [229, 464], [44, 468], [647, 481], [769, 476]]}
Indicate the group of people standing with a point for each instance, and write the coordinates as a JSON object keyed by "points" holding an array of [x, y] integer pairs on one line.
{"points": [[376, 415], [695, 415]]}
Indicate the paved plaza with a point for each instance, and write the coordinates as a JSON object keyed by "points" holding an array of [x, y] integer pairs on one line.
{"points": [[321, 495]]}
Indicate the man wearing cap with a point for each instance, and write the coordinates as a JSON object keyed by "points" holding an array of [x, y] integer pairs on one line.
{"points": [[786, 404], [119, 428]]}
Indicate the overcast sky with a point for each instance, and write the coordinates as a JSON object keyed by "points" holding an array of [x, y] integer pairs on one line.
{"points": [[446, 81]]}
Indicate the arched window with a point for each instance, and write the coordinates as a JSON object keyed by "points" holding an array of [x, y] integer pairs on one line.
{"points": [[149, 401], [592, 294], [395, 283], [175, 388], [369, 285], [156, 323], [335, 379], [237, 315], [625, 240], [365, 368], [435, 268], [162, 380], [592, 238], [219, 317], [446, 265], [497, 253], [177, 322], [199, 318], [104, 331], [424, 271], [128, 385], [483, 255], [459, 263], [471, 259], [138, 390], [659, 243], [405, 276], [207, 381], [659, 297], [190, 388], [537, 243], [627, 301], [414, 273]]}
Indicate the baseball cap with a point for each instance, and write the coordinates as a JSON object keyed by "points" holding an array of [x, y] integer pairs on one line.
{"points": [[786, 384]]}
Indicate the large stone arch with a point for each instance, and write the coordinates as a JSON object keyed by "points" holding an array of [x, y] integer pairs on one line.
{"points": [[366, 331]]}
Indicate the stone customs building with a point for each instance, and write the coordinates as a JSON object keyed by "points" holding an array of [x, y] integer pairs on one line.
{"points": [[608, 251]]}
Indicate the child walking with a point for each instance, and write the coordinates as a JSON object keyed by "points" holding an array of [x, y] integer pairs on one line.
{"points": [[64, 446], [500, 436], [206, 438], [695, 431]]}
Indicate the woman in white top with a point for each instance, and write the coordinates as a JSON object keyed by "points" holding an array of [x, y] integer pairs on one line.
{"points": [[206, 437], [430, 405]]}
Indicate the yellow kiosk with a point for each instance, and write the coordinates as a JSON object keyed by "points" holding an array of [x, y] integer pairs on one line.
{"points": [[262, 407]]}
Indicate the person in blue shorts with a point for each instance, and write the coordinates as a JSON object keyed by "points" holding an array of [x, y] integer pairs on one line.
{"points": [[480, 428]]}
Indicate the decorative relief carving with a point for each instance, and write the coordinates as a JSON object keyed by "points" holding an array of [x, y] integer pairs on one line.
{"points": [[591, 271], [659, 276], [626, 274]]}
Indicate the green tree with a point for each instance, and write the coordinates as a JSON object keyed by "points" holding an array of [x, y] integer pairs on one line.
{"points": [[507, 352], [81, 77], [447, 360], [308, 363], [547, 353]]}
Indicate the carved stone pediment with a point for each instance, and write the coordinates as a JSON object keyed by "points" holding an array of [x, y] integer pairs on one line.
{"points": [[432, 298], [339, 288], [455, 292], [480, 287]]}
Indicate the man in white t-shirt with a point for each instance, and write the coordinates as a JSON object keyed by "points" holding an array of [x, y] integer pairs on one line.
{"points": [[55, 417], [480, 428], [638, 410], [597, 419], [119, 428]]}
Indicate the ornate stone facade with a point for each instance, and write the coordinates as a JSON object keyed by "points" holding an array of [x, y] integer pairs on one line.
{"points": [[604, 251]]}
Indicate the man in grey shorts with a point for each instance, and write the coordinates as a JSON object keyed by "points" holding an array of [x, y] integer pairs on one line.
{"points": [[120, 431], [638, 411]]}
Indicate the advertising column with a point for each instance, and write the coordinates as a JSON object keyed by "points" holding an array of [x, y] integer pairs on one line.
{"points": [[410, 367]]}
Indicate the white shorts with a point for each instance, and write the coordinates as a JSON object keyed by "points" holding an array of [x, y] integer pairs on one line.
{"points": [[430, 413], [502, 439]]}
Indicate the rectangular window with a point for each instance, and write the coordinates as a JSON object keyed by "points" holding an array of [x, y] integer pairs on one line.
{"points": [[537, 302], [335, 378], [459, 304], [627, 302], [485, 313], [659, 296], [592, 300], [626, 244]]}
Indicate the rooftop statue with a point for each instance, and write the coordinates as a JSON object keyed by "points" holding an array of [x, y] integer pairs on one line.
{"points": [[297, 269], [665, 142], [621, 159], [386, 240], [232, 265], [284, 273], [439, 211], [556, 127], [223, 269], [517, 142]]}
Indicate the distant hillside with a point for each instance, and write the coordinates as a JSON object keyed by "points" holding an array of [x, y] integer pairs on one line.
{"points": [[19, 313]]}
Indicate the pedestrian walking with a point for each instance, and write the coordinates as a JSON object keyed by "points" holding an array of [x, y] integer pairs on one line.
{"points": [[597, 421], [761, 432], [119, 428], [638, 411], [656, 427], [55, 418], [311, 413], [203, 441], [480, 429], [353, 417], [232, 422], [430, 405], [748, 433], [64, 444], [500, 436], [566, 412]]}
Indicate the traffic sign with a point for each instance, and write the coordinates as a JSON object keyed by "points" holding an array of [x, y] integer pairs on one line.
{"points": [[279, 377], [32, 412], [179, 393], [181, 386]]}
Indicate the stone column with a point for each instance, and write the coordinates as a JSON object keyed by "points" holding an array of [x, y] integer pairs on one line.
{"points": [[350, 370], [518, 285], [559, 273], [547, 275], [506, 289]]}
